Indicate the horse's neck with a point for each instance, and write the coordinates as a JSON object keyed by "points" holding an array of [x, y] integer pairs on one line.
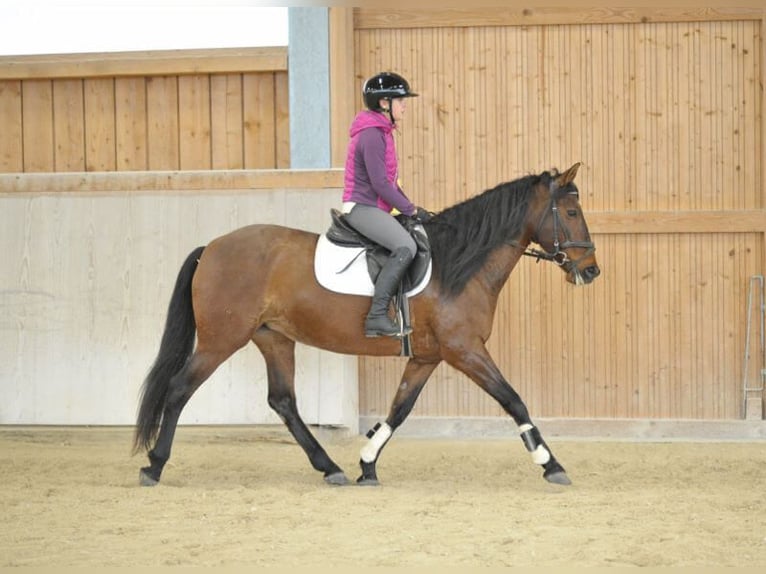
{"points": [[494, 275]]}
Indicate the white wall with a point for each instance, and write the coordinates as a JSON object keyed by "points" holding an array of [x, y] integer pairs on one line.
{"points": [[84, 288], [74, 26]]}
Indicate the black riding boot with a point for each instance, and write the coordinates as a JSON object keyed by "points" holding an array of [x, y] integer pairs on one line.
{"points": [[378, 323]]}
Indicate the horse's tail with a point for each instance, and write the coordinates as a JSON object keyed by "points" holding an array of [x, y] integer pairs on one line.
{"points": [[176, 347]]}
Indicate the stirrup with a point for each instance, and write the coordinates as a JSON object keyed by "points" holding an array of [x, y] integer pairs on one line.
{"points": [[390, 330], [371, 334]]}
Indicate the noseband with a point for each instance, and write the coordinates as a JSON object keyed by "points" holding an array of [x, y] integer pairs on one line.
{"points": [[558, 255]]}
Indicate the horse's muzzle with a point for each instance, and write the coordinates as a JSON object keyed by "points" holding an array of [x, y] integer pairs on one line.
{"points": [[583, 276], [590, 273]]}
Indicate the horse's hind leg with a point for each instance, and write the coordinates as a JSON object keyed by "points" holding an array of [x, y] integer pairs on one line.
{"points": [[279, 352], [414, 378], [181, 387]]}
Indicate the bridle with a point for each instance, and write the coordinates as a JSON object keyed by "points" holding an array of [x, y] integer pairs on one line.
{"points": [[558, 255]]}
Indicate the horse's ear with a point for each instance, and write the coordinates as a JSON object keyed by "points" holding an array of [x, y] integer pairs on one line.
{"points": [[568, 176]]}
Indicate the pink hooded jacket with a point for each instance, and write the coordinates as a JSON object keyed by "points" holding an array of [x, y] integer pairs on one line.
{"points": [[371, 165]]}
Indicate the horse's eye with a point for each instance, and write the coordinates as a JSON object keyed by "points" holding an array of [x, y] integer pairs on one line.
{"points": [[572, 212]]}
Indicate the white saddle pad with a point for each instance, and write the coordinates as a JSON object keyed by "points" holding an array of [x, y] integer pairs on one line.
{"points": [[344, 270]]}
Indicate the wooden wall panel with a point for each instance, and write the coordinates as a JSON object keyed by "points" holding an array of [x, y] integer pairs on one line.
{"points": [[11, 148], [226, 121], [69, 125], [195, 109], [162, 122], [282, 121], [666, 118], [194, 121], [653, 338], [635, 103], [131, 124], [260, 146], [37, 125], [100, 125]]}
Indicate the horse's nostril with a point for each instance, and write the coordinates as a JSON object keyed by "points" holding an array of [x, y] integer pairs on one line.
{"points": [[592, 272]]}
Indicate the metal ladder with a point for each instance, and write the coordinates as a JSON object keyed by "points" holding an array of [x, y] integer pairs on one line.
{"points": [[756, 282]]}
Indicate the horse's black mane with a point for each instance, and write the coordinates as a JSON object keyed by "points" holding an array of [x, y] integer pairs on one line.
{"points": [[463, 236]]}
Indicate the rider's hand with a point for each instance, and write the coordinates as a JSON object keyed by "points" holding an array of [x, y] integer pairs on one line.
{"points": [[422, 215]]}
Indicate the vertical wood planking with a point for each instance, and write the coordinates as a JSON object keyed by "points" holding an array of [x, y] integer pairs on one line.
{"points": [[11, 149], [37, 125], [100, 134], [130, 112], [260, 145], [68, 124], [131, 123], [139, 123], [226, 134], [752, 97], [664, 117], [162, 122], [194, 122], [282, 120]]}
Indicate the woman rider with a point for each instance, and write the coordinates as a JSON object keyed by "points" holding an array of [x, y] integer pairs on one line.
{"points": [[371, 191]]}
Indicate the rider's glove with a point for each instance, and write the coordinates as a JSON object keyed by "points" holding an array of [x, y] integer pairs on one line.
{"points": [[422, 215]]}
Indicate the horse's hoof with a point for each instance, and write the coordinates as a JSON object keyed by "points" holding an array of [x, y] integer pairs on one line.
{"points": [[364, 481], [337, 479], [145, 480], [558, 477]]}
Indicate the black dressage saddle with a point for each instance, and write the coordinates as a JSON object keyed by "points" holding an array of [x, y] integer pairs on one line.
{"points": [[341, 233]]}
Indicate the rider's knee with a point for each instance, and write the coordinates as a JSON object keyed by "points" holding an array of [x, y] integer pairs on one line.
{"points": [[405, 253]]}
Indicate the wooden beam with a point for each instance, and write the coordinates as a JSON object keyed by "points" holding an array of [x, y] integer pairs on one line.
{"points": [[723, 221], [379, 18], [176, 181], [618, 223], [151, 63]]}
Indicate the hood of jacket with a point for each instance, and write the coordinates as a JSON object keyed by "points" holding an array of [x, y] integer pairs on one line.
{"points": [[369, 119]]}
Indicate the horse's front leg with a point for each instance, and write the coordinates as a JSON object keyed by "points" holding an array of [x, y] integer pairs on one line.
{"points": [[474, 361], [415, 375]]}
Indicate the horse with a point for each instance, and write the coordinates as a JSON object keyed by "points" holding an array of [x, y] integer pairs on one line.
{"points": [[257, 284]]}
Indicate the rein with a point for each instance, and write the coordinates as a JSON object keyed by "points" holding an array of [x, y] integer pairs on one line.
{"points": [[558, 255]]}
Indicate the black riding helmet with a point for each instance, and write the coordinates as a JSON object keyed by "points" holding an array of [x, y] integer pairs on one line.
{"points": [[385, 86]]}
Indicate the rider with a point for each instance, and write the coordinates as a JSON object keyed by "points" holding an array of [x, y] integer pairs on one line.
{"points": [[371, 190]]}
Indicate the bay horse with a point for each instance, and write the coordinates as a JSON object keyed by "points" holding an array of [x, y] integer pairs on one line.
{"points": [[257, 284]]}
